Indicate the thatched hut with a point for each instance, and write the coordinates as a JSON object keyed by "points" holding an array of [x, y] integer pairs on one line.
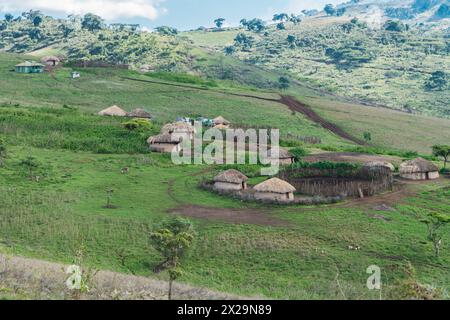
{"points": [[286, 158], [419, 169], [180, 129], [385, 164], [164, 143], [230, 180], [51, 61], [221, 123], [29, 67], [274, 190], [113, 111], [139, 113]]}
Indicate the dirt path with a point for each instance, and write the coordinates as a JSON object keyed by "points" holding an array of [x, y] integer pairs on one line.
{"points": [[288, 101], [38, 279]]}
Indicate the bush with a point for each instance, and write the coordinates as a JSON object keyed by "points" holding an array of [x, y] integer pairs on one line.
{"points": [[137, 124], [298, 153]]}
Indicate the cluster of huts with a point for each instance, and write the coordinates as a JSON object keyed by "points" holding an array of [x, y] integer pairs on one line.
{"points": [[272, 190], [116, 111]]}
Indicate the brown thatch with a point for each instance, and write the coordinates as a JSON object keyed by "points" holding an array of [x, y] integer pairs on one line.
{"points": [[385, 164], [178, 127], [113, 111], [52, 59], [275, 185], [231, 176], [221, 120], [283, 154], [418, 165], [140, 113], [164, 138], [221, 127]]}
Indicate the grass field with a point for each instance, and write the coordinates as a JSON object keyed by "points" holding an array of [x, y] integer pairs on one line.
{"points": [[81, 155]]}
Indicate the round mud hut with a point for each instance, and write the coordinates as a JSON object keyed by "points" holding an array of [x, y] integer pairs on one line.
{"points": [[275, 190], [419, 169], [230, 180], [164, 143], [139, 113], [181, 129], [221, 123], [51, 61], [113, 111], [382, 164]]}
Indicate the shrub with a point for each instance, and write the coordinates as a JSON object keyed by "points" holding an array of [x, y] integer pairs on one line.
{"points": [[137, 124], [298, 153]]}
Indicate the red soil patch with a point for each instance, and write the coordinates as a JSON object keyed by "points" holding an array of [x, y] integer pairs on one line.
{"points": [[236, 216]]}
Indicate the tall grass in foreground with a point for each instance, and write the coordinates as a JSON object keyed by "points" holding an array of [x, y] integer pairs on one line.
{"points": [[71, 130]]}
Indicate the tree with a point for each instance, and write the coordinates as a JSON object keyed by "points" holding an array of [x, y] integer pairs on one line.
{"points": [[256, 25], [30, 164], [295, 19], [167, 31], [367, 136], [284, 83], [92, 22], [394, 26], [298, 153], [329, 10], [341, 11], [219, 22], [292, 40], [281, 26], [230, 50], [435, 222], [442, 151], [9, 17], [438, 81], [244, 41], [37, 21], [2, 152], [172, 239], [244, 22], [443, 11], [282, 17]]}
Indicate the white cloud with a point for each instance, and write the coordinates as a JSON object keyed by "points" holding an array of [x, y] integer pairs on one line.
{"points": [[108, 9]]}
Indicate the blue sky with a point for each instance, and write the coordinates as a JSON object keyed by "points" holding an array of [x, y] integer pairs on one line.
{"points": [[183, 14]]}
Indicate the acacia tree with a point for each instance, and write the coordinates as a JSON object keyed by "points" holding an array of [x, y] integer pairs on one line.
{"points": [[219, 22], [329, 9], [442, 151], [172, 239], [435, 222], [92, 22]]}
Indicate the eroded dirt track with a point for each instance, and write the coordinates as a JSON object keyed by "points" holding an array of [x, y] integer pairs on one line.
{"points": [[292, 103]]}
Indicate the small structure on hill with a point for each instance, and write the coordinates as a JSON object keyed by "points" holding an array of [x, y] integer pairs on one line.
{"points": [[74, 75], [29, 67], [384, 164], [51, 61], [221, 123], [180, 129], [164, 143], [286, 158], [113, 111], [419, 169], [139, 113], [275, 190], [230, 180]]}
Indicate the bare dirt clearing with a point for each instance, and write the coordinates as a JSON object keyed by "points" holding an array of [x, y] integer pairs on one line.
{"points": [[237, 216]]}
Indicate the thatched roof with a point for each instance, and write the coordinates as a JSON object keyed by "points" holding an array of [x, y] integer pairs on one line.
{"points": [[283, 154], [178, 127], [221, 127], [164, 138], [29, 64], [385, 164], [113, 111], [140, 113], [51, 58], [221, 120], [231, 176], [418, 165], [275, 185]]}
